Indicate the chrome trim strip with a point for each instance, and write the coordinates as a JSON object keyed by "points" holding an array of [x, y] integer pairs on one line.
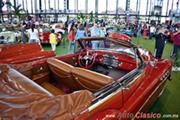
{"points": [[92, 107]]}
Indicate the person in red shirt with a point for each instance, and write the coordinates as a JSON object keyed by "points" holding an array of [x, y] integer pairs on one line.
{"points": [[145, 31], [176, 43], [71, 39]]}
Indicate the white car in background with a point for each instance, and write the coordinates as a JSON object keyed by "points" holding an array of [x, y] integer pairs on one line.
{"points": [[9, 37]]}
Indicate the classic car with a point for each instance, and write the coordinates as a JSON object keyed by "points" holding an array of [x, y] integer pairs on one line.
{"points": [[44, 35], [120, 31], [9, 37], [119, 35], [20, 53], [117, 80]]}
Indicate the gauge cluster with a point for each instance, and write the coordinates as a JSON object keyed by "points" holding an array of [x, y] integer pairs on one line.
{"points": [[110, 60]]}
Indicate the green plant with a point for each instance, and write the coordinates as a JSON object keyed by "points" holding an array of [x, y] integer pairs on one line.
{"points": [[81, 16], [91, 16], [17, 11]]}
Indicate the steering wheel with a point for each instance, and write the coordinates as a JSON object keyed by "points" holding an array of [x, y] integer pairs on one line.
{"points": [[87, 58]]}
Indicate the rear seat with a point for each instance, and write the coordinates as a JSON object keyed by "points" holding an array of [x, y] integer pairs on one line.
{"points": [[51, 88], [10, 78], [22, 98]]}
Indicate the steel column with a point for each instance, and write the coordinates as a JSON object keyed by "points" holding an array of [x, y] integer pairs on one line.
{"points": [[96, 6], [106, 6]]}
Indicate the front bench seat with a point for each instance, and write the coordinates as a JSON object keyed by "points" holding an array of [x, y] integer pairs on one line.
{"points": [[62, 71], [86, 79]]}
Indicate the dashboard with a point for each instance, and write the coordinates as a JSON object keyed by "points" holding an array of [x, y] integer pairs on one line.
{"points": [[115, 60], [110, 60]]}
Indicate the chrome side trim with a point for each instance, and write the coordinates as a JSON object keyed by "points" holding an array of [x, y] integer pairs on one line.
{"points": [[92, 107]]}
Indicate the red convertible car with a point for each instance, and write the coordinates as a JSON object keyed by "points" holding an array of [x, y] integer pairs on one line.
{"points": [[119, 36], [20, 53], [44, 36], [116, 81]]}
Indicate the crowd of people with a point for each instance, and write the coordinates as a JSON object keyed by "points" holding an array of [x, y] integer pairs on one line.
{"points": [[77, 31], [98, 28], [162, 34]]}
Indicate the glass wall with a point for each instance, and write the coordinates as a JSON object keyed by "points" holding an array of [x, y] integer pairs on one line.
{"points": [[143, 6], [31, 5], [164, 7], [81, 5], [133, 5], [122, 4], [72, 5], [102, 6], [112, 5], [91, 6]]}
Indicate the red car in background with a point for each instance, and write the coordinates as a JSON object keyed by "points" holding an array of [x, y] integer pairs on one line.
{"points": [[119, 36], [44, 35]]}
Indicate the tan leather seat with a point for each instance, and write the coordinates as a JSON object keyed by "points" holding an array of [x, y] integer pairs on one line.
{"points": [[21, 98], [51, 88], [13, 82], [62, 71], [90, 80]]}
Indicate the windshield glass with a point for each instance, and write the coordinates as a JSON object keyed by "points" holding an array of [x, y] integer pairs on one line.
{"points": [[106, 45]]}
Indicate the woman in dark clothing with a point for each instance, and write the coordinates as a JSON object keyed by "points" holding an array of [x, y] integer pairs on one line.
{"points": [[160, 40], [24, 33]]}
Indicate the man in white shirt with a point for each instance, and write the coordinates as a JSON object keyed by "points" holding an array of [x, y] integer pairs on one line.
{"points": [[152, 31], [95, 32]]}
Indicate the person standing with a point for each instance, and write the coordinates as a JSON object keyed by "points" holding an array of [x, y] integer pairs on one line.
{"points": [[152, 31], [145, 31], [138, 29], [160, 40], [95, 32], [102, 34], [176, 43], [53, 40], [24, 33], [33, 35], [71, 39], [80, 32]]}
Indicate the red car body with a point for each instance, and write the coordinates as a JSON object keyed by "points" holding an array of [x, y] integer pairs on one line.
{"points": [[44, 37], [21, 53], [107, 96], [119, 36]]}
